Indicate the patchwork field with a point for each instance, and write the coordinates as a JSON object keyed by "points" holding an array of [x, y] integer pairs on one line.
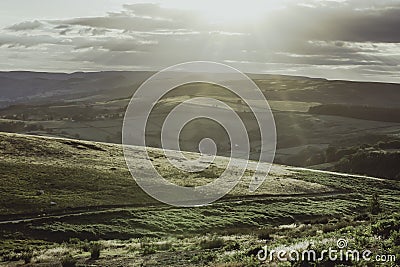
{"points": [[312, 116]]}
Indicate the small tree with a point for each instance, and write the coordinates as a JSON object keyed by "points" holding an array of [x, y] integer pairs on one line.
{"points": [[95, 251], [374, 204]]}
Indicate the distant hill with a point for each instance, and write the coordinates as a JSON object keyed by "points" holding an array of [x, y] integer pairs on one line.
{"points": [[313, 116], [37, 87], [33, 87]]}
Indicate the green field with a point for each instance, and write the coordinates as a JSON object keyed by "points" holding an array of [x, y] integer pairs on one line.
{"points": [[60, 197]]}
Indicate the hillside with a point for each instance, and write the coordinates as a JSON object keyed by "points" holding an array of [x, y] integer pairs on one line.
{"points": [[63, 190], [37, 171], [19, 87], [23, 87], [313, 116]]}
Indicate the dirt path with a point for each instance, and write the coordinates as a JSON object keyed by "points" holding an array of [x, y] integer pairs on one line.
{"points": [[232, 199], [335, 173]]}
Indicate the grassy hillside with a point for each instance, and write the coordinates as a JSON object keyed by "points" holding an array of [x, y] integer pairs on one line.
{"points": [[45, 174], [60, 197], [40, 174]]}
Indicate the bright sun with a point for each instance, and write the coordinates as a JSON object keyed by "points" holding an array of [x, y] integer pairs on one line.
{"points": [[227, 10]]}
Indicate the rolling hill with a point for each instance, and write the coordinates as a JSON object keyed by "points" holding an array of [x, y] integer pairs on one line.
{"points": [[58, 190], [65, 188], [19, 87]]}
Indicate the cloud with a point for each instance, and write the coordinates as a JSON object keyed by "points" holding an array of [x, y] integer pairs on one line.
{"points": [[26, 40], [25, 26], [299, 37], [345, 23]]}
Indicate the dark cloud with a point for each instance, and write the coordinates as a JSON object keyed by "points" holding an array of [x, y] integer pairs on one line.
{"points": [[123, 23], [353, 35], [26, 40], [345, 24]]}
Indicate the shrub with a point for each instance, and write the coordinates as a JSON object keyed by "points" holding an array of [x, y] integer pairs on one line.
{"points": [[232, 246], [95, 251], [147, 249], [68, 261], [85, 246], [27, 256], [214, 242], [164, 246], [374, 204], [265, 234]]}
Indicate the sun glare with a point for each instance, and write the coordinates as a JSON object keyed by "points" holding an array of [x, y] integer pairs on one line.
{"points": [[227, 11]]}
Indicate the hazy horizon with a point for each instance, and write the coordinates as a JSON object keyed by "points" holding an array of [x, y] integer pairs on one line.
{"points": [[337, 40], [155, 71]]}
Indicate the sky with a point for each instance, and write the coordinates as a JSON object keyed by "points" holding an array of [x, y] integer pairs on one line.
{"points": [[336, 39]]}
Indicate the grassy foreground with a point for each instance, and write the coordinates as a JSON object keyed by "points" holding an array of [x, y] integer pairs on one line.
{"points": [[72, 202]]}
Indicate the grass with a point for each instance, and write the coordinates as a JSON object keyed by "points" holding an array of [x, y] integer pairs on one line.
{"points": [[66, 175], [68, 261], [97, 200], [69, 174], [378, 234], [212, 243]]}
